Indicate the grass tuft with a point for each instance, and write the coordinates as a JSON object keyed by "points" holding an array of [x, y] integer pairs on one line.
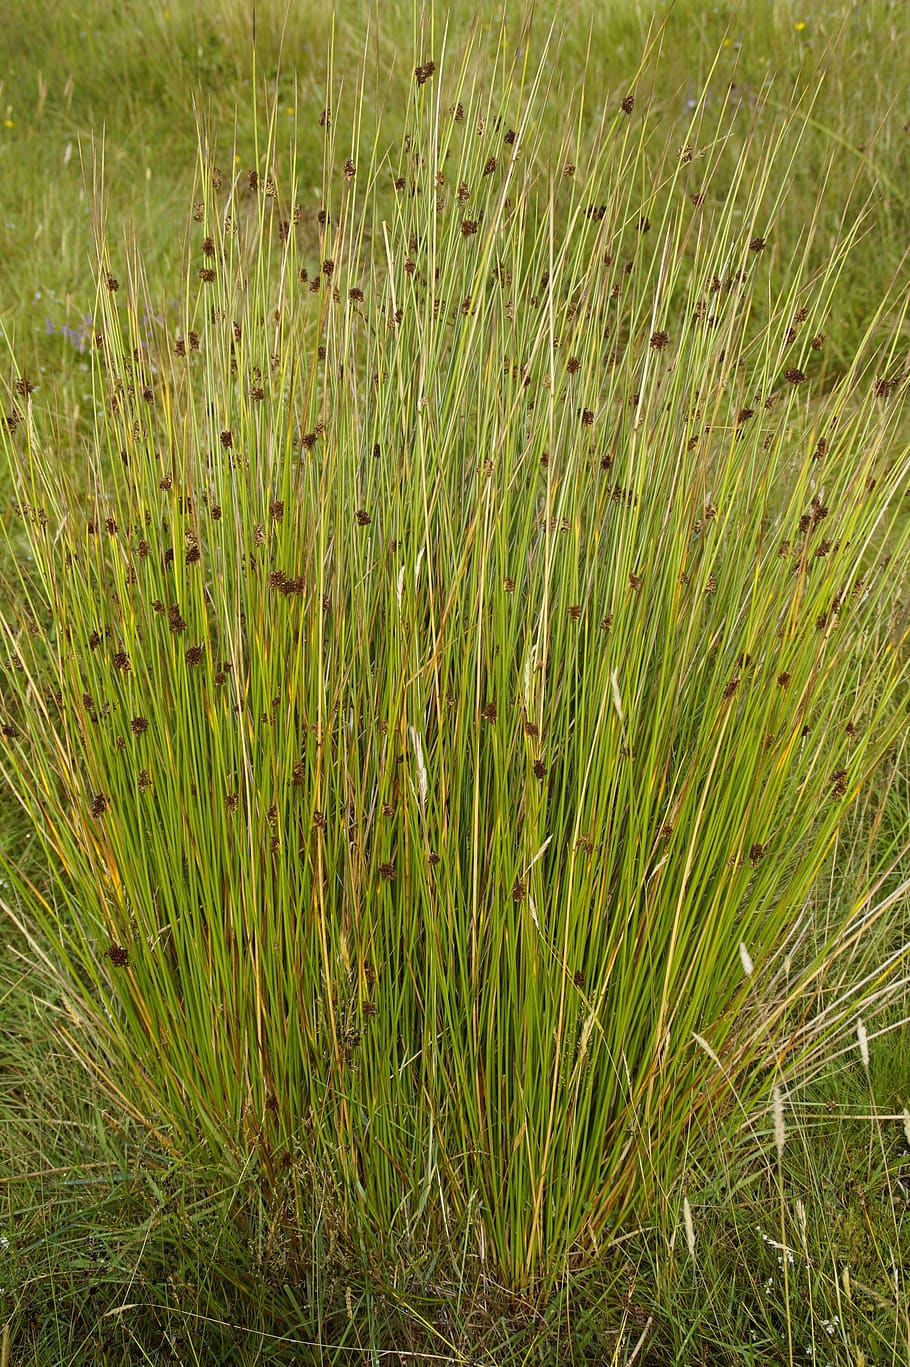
{"points": [[458, 708]]}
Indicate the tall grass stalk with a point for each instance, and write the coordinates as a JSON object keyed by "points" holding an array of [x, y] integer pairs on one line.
{"points": [[478, 627]]}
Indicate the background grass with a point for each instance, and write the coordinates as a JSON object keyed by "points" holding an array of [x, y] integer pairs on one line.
{"points": [[95, 1218], [135, 76]]}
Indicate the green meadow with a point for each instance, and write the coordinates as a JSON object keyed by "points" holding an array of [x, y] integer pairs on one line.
{"points": [[454, 611]]}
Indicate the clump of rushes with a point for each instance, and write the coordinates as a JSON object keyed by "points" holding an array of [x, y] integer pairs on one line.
{"points": [[470, 626]]}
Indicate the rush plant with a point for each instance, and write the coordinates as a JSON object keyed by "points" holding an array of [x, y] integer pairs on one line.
{"points": [[440, 694]]}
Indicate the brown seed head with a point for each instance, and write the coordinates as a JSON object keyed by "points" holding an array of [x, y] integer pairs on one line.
{"points": [[628, 104]]}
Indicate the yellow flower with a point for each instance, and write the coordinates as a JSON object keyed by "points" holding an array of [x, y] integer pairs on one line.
{"points": [[8, 123], [800, 25]]}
